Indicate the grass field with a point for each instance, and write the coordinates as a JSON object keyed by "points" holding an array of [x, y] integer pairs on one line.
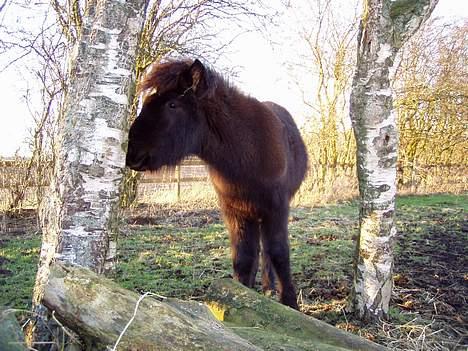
{"points": [[174, 251]]}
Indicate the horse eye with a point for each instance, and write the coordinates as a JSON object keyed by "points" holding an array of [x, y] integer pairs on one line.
{"points": [[172, 105]]}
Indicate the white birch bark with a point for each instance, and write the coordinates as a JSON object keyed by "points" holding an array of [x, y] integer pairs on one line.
{"points": [[79, 216], [385, 26]]}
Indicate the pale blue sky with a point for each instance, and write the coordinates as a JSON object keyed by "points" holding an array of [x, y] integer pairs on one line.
{"points": [[261, 74]]}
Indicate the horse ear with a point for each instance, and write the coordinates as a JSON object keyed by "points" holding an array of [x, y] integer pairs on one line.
{"points": [[197, 72], [193, 78]]}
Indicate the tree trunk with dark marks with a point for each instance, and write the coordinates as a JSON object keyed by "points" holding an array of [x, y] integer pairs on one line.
{"points": [[385, 26], [79, 215]]}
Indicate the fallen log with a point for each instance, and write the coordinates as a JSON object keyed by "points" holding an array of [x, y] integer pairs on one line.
{"points": [[273, 326], [11, 335], [99, 311]]}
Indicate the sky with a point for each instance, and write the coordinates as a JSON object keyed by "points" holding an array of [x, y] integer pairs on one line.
{"points": [[261, 73]]}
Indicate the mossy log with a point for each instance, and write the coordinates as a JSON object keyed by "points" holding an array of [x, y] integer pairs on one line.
{"points": [[273, 326], [98, 310], [11, 335]]}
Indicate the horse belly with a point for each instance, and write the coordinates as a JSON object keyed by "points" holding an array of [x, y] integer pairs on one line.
{"points": [[245, 200]]}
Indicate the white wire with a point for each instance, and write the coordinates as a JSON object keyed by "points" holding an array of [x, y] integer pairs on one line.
{"points": [[133, 317]]}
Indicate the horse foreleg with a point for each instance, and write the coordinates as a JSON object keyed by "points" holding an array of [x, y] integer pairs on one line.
{"points": [[245, 237]]}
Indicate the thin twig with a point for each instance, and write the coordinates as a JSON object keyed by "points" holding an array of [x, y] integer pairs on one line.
{"points": [[64, 329]]}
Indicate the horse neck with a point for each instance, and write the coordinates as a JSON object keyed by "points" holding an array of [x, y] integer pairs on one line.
{"points": [[212, 144], [219, 147]]}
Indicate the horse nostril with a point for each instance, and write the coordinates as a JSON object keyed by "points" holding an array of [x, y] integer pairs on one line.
{"points": [[129, 155]]}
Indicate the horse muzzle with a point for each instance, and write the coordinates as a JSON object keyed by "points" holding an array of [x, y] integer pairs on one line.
{"points": [[136, 161]]}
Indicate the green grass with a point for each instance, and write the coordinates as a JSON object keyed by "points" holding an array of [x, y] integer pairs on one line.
{"points": [[182, 261], [321, 243], [19, 257], [434, 201], [173, 261]]}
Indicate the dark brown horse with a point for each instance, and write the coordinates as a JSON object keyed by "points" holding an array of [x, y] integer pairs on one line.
{"points": [[254, 151]]}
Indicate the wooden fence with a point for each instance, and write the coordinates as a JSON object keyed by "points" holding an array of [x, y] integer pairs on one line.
{"points": [[193, 170], [189, 171], [411, 177]]}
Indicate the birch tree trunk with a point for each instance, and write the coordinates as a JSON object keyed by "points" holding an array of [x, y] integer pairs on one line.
{"points": [[79, 216], [385, 26]]}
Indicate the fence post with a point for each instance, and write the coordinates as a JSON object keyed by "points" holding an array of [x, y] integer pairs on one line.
{"points": [[178, 182], [413, 176]]}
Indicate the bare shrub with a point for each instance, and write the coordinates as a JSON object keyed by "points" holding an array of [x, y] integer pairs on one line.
{"points": [[17, 183]]}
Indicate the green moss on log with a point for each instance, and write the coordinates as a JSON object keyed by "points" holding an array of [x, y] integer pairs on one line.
{"points": [[98, 310], [273, 326], [11, 335]]}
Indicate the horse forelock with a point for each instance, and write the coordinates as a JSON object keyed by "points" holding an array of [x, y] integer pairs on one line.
{"points": [[162, 77]]}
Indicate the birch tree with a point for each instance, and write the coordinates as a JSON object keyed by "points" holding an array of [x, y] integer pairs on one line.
{"points": [[385, 26], [79, 214]]}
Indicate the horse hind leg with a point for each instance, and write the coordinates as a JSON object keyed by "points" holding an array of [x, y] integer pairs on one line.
{"points": [[276, 246], [268, 273], [245, 244]]}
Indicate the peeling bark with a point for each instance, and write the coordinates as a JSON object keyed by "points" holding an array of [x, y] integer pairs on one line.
{"points": [[79, 217], [385, 26]]}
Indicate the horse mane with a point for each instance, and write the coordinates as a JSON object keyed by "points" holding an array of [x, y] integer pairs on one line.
{"points": [[166, 76]]}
